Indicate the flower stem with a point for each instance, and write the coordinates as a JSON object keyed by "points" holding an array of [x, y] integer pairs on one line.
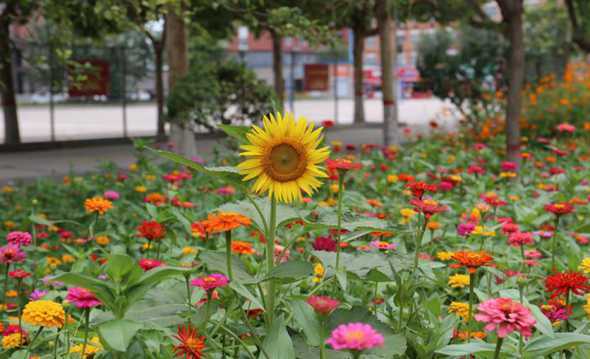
{"points": [[30, 346], [5, 286], [339, 221], [188, 296], [554, 243], [419, 244], [470, 314], [86, 328], [270, 249], [228, 254], [498, 348]]}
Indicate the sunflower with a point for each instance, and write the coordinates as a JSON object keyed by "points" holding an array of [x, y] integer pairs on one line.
{"points": [[284, 156]]}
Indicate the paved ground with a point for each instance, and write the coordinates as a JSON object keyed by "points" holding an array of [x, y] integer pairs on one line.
{"points": [[106, 121], [29, 165]]}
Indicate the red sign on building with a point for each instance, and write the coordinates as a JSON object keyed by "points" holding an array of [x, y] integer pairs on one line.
{"points": [[316, 77], [89, 78]]}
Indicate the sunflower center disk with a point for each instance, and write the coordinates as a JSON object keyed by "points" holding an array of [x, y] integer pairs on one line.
{"points": [[285, 163]]}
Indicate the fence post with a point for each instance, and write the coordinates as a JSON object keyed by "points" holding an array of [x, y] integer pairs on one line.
{"points": [[124, 91], [51, 102]]}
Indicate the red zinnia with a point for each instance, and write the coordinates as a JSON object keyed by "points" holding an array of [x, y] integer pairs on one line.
{"points": [[191, 343], [151, 230], [563, 283], [147, 264], [342, 164], [428, 207], [19, 274], [559, 209], [418, 188]]}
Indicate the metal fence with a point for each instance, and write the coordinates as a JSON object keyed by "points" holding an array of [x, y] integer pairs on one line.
{"points": [[51, 107], [99, 92]]}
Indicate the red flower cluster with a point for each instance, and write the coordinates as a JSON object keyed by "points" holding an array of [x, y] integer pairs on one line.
{"points": [[563, 283], [560, 208], [151, 230], [418, 188]]}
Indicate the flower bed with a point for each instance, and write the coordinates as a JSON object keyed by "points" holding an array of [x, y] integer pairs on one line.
{"points": [[436, 249]]}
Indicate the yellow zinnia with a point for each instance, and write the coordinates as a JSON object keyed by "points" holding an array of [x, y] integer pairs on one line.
{"points": [[585, 265], [459, 308], [93, 346], [459, 281], [283, 157], [44, 313], [13, 340]]}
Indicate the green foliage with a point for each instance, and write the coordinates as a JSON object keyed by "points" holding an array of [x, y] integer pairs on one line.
{"points": [[219, 93], [466, 70]]}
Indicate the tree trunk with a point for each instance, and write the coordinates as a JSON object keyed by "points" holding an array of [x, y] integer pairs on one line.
{"points": [[277, 67], [181, 133], [358, 49], [11, 130], [516, 78], [158, 52], [388, 49]]}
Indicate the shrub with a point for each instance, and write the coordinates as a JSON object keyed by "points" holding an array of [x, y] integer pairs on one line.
{"points": [[553, 101], [224, 93]]}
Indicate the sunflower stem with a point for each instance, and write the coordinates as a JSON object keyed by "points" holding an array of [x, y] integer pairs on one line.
{"points": [[270, 249], [339, 214], [228, 254]]}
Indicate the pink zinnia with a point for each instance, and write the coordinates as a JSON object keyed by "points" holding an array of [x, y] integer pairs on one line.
{"points": [[465, 229], [226, 191], [566, 127], [11, 253], [505, 316], [323, 304], [509, 166], [518, 239], [19, 238], [355, 336], [111, 195], [82, 298], [210, 281]]}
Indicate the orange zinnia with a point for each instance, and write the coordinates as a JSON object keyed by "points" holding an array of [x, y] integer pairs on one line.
{"points": [[97, 204], [242, 247], [471, 260], [225, 221]]}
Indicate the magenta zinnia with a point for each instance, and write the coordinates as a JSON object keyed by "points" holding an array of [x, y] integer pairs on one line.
{"points": [[82, 298], [355, 336], [505, 316], [210, 281], [11, 253]]}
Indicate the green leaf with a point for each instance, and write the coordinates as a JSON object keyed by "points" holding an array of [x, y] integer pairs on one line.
{"points": [[546, 344], [117, 334], [457, 350], [285, 214], [277, 343], [228, 174], [291, 270], [215, 262], [245, 292], [307, 319], [119, 266], [394, 344], [237, 132]]}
